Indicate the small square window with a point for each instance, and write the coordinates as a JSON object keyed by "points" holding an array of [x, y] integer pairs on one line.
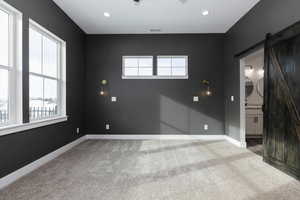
{"points": [[137, 66], [172, 66]]}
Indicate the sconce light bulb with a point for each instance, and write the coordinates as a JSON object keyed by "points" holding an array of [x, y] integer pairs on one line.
{"points": [[104, 82], [101, 92], [208, 93]]}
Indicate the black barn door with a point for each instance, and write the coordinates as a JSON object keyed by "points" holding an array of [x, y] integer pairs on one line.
{"points": [[282, 100]]}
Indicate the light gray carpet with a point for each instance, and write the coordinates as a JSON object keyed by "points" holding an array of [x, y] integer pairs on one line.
{"points": [[144, 170]]}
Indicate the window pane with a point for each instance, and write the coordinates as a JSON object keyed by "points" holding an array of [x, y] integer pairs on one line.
{"points": [[146, 71], [36, 97], [49, 57], [4, 38], [36, 91], [178, 62], [131, 62], [164, 71], [131, 71], [178, 71], [164, 62], [50, 98], [145, 62], [3, 96], [35, 51]]}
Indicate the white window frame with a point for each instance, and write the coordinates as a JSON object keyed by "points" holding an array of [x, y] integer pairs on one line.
{"points": [[61, 71], [153, 76], [14, 67], [136, 76], [15, 89], [186, 76]]}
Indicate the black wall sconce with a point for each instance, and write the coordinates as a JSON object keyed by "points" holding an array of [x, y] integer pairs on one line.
{"points": [[207, 92], [103, 91]]}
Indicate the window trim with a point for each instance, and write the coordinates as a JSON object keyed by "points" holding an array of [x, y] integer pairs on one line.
{"points": [[10, 129], [61, 71], [154, 67], [14, 67]]}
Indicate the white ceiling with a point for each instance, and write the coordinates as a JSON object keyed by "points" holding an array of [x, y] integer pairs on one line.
{"points": [[170, 16]]}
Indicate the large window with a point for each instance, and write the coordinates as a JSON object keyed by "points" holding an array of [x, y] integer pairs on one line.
{"points": [[172, 66], [10, 68], [47, 73]]}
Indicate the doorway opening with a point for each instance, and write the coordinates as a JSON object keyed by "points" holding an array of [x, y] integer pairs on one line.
{"points": [[252, 100]]}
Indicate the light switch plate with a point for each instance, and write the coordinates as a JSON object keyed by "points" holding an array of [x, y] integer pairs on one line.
{"points": [[107, 126], [232, 98], [114, 99], [196, 99], [206, 127]]}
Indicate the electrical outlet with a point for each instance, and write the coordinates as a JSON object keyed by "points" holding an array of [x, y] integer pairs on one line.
{"points": [[114, 99], [206, 127], [107, 126], [196, 99], [77, 130]]}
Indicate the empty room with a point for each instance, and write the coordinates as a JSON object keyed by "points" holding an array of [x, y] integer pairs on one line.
{"points": [[149, 100]]}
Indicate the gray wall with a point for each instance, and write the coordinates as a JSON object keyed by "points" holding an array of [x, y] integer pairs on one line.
{"points": [[19, 149], [154, 106], [268, 16]]}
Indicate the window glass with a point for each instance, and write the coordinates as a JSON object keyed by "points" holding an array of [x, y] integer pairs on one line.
{"points": [[4, 38], [131, 71], [178, 71], [49, 57], [178, 62], [36, 91], [138, 66], [145, 62], [50, 96], [172, 66], [45, 82], [164, 62], [131, 62], [4, 116], [145, 71], [35, 51], [164, 71]]}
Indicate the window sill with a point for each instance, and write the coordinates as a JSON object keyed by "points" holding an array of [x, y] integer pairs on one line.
{"points": [[32, 125]]}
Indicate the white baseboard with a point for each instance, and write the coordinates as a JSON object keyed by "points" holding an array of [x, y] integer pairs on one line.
{"points": [[166, 137], [154, 137], [236, 142], [9, 179]]}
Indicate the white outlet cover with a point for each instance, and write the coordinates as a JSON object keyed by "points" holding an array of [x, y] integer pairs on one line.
{"points": [[205, 127], [78, 130], [114, 99], [107, 127], [232, 98], [195, 98]]}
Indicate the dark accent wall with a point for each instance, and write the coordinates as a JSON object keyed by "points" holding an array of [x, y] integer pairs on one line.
{"points": [[154, 106], [268, 16], [19, 149]]}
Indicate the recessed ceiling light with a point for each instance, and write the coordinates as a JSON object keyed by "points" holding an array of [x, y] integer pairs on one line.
{"points": [[106, 14], [205, 12]]}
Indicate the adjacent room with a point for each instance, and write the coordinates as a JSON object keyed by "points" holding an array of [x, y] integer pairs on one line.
{"points": [[149, 99]]}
